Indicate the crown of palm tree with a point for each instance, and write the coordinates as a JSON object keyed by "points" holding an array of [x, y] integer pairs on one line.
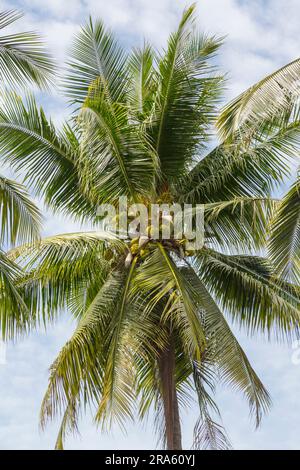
{"points": [[152, 333]]}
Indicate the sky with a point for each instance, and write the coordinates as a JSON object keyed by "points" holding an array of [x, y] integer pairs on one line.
{"points": [[261, 36]]}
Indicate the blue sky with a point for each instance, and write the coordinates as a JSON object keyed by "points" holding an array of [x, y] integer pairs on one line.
{"points": [[262, 35]]}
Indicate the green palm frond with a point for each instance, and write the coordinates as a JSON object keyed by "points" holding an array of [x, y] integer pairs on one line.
{"points": [[143, 82], [32, 145], [271, 98], [208, 434], [158, 278], [239, 223], [116, 155], [14, 315], [117, 397], [241, 168], [66, 247], [109, 327], [246, 287], [64, 271], [186, 97], [23, 56], [284, 246], [94, 54], [230, 359], [78, 370], [20, 218]]}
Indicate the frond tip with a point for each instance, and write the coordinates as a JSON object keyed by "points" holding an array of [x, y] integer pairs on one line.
{"points": [[23, 56]]}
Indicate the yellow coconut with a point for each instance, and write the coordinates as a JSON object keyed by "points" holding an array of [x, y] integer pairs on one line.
{"points": [[134, 241], [134, 248], [189, 252]]}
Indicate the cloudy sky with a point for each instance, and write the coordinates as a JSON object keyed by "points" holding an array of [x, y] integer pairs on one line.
{"points": [[262, 35]]}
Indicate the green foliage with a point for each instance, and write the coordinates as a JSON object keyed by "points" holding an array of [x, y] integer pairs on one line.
{"points": [[24, 58], [285, 240]]}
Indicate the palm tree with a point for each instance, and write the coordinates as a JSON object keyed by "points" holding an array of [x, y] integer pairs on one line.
{"points": [[22, 60], [274, 103], [151, 332]]}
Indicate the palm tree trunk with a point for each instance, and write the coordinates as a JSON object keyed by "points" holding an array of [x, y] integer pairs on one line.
{"points": [[166, 365]]}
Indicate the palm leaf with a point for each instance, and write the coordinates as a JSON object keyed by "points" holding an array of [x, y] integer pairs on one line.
{"points": [[235, 369], [20, 218], [14, 315], [23, 57], [243, 168], [95, 54], [159, 278], [31, 144], [208, 434], [78, 370], [239, 223], [118, 159], [268, 99], [246, 287], [284, 244], [186, 98], [64, 271], [143, 82]]}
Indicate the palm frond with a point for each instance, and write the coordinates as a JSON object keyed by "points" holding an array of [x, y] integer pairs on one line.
{"points": [[95, 53], [239, 223], [64, 272], [284, 246], [143, 82], [272, 97], [68, 425], [116, 159], [159, 278], [243, 168], [14, 315], [20, 217], [208, 434], [66, 247], [23, 56], [247, 288], [31, 145], [78, 370], [117, 398], [230, 359], [186, 98]]}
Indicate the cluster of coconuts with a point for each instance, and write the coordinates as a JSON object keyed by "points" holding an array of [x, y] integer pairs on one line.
{"points": [[140, 245], [137, 246]]}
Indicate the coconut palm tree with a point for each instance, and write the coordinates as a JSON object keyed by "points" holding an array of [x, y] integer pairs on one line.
{"points": [[274, 102], [22, 60], [151, 330]]}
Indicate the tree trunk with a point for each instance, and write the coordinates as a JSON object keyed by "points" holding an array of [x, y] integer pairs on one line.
{"points": [[166, 364]]}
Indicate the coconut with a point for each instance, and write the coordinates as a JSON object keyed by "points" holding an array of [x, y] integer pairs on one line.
{"points": [[134, 241], [134, 248]]}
